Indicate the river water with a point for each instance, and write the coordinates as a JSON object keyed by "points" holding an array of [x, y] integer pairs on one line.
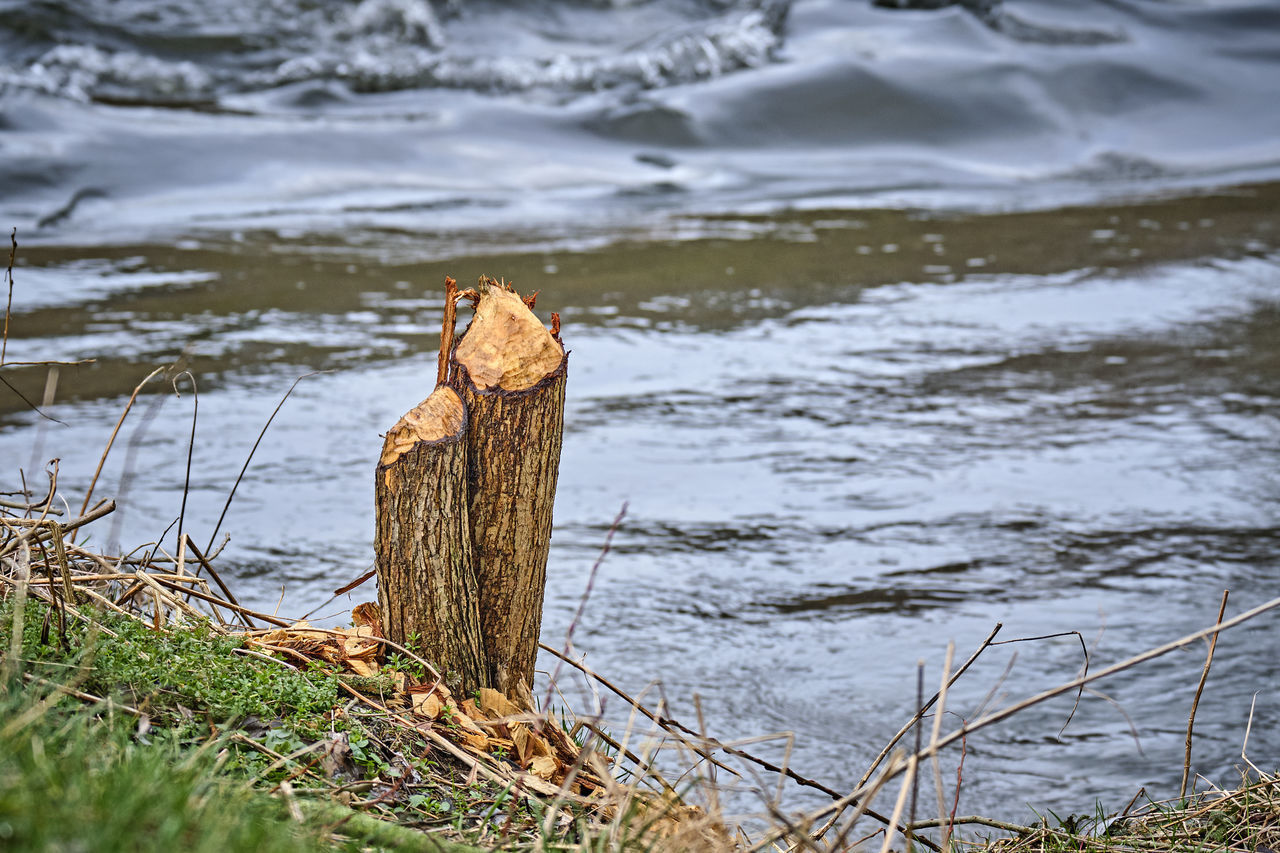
{"points": [[887, 324]]}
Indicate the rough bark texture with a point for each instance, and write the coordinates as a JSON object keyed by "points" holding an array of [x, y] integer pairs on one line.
{"points": [[425, 560], [510, 373]]}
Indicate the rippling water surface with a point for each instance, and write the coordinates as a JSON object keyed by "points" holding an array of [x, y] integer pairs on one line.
{"points": [[889, 325]]}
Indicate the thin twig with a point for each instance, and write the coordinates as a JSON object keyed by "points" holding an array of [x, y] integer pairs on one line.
{"points": [[110, 441], [1204, 676], [191, 447], [51, 363], [447, 329], [915, 778], [30, 405], [213, 536], [924, 709], [1084, 670], [43, 504], [8, 308], [582, 602]]}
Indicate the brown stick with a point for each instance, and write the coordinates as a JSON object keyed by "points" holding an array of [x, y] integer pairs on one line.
{"points": [[447, 328], [926, 706], [1204, 676], [200, 558], [110, 441]]}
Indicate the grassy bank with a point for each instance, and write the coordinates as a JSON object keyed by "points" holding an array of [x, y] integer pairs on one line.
{"points": [[130, 737], [134, 721]]}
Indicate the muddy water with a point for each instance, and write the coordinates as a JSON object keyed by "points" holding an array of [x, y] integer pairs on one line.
{"points": [[845, 438]]}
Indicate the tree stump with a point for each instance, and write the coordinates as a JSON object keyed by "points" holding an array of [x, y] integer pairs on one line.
{"points": [[465, 490], [510, 373], [425, 561]]}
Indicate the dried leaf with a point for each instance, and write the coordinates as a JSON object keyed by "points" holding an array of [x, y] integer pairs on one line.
{"points": [[427, 705], [362, 667], [336, 757], [367, 614]]}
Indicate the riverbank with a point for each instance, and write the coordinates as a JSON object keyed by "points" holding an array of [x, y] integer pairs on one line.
{"points": [[139, 696], [146, 709]]}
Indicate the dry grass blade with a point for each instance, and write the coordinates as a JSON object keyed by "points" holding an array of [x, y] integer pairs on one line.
{"points": [[997, 716], [112, 440], [230, 497], [924, 709], [8, 307], [1195, 702]]}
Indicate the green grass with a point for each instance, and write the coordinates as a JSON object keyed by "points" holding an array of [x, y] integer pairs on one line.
{"points": [[95, 776], [105, 781], [188, 680], [69, 782]]}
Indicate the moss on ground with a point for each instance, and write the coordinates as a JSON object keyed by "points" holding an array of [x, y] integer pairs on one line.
{"points": [[185, 736]]}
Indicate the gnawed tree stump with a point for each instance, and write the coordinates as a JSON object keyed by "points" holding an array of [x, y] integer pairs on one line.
{"points": [[510, 373], [465, 490], [425, 561]]}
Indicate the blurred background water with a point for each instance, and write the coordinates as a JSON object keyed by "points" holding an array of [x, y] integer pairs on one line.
{"points": [[889, 323]]}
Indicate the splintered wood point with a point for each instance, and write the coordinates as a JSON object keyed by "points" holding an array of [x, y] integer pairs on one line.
{"points": [[439, 416], [446, 329], [506, 346]]}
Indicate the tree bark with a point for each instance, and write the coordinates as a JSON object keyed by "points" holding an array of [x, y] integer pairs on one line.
{"points": [[425, 561], [510, 373]]}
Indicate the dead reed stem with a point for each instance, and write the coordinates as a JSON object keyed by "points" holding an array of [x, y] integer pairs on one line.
{"points": [[1195, 702]]}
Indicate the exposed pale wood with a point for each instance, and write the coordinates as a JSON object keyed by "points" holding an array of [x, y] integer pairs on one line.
{"points": [[506, 346], [426, 568], [440, 416], [510, 372]]}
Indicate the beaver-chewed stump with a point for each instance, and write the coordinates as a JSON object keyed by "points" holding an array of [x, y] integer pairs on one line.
{"points": [[465, 489]]}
